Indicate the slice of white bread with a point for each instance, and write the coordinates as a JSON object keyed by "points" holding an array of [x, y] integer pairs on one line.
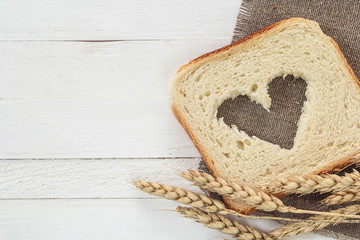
{"points": [[328, 133]]}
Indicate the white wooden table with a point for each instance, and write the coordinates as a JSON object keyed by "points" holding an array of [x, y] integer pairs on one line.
{"points": [[85, 108]]}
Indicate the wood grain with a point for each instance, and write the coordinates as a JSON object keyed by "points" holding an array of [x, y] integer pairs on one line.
{"points": [[85, 108], [112, 70], [66, 99], [88, 178], [97, 219], [91, 128], [106, 219], [116, 20]]}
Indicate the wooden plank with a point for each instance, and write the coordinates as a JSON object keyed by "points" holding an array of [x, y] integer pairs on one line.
{"points": [[88, 178], [104, 219], [114, 20], [112, 70], [91, 128], [96, 219], [62, 99]]}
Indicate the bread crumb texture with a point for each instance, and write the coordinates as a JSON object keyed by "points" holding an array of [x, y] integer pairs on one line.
{"points": [[329, 126]]}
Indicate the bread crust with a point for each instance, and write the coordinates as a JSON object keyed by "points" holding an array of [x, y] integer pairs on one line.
{"points": [[239, 42], [336, 166], [345, 61], [210, 164]]}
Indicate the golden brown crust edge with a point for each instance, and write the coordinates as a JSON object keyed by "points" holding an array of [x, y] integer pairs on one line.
{"points": [[210, 164], [233, 204], [241, 41], [346, 160], [335, 167], [338, 165], [345, 61], [261, 31], [328, 169]]}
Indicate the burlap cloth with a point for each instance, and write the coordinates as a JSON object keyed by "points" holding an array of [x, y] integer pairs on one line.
{"points": [[339, 19]]}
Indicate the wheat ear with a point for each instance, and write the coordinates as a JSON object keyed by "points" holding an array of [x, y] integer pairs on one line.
{"points": [[306, 227], [223, 224], [180, 195], [314, 183], [255, 198], [342, 197], [196, 200]]}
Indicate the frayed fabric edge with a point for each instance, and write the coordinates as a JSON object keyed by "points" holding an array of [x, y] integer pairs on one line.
{"points": [[243, 19]]}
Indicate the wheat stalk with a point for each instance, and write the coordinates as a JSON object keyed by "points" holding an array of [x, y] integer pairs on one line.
{"points": [[223, 224], [356, 161], [306, 227], [342, 197], [196, 200], [256, 198], [314, 183]]}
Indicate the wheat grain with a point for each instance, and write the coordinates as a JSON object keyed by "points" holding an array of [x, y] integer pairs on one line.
{"points": [[180, 195], [255, 198], [306, 227], [342, 197], [186, 197], [223, 224], [314, 183], [196, 200], [260, 200]]}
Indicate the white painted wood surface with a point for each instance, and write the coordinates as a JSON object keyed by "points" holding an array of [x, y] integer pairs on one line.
{"points": [[116, 20], [92, 70], [97, 219], [85, 128], [85, 109], [93, 99], [88, 178], [110, 219]]}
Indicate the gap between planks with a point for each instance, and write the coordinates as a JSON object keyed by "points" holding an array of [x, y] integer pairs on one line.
{"points": [[89, 179], [109, 19], [113, 40], [108, 219], [97, 219], [99, 158]]}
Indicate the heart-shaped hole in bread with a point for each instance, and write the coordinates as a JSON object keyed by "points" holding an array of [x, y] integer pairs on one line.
{"points": [[278, 125]]}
